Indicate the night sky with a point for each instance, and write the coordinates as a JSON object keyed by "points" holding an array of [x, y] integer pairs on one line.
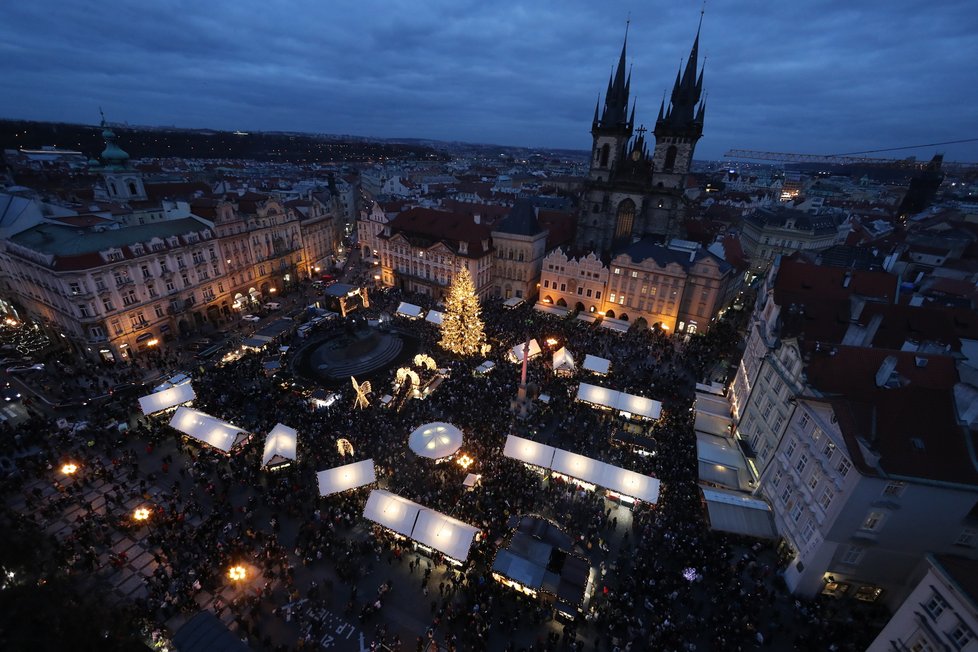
{"points": [[830, 76]]}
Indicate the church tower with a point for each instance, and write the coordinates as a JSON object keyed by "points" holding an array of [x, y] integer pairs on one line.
{"points": [[121, 182], [632, 193], [680, 125]]}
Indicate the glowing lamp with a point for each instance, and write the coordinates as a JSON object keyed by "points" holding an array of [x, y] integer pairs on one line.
{"points": [[552, 341], [69, 468], [152, 342], [237, 573], [465, 461], [141, 514]]}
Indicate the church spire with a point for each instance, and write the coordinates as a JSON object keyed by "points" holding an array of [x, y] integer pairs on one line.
{"points": [[682, 110], [616, 99]]}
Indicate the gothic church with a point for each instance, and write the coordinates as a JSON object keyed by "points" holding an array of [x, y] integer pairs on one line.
{"points": [[632, 193]]}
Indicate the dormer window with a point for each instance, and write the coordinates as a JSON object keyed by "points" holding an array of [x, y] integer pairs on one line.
{"points": [[463, 247], [137, 250]]}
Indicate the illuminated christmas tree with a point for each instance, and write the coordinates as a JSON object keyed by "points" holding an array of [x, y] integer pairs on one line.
{"points": [[462, 331]]}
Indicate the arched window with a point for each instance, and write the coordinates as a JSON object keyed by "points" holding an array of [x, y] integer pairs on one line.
{"points": [[112, 188], [670, 158], [605, 153], [132, 188], [626, 217]]}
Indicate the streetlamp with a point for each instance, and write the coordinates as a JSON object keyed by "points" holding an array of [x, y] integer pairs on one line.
{"points": [[69, 468], [237, 573]]}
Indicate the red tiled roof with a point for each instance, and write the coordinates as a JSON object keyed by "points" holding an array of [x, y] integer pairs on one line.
{"points": [[561, 227], [799, 281], [912, 426], [426, 226], [178, 190]]}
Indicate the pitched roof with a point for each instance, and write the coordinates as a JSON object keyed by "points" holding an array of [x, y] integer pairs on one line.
{"points": [[521, 220], [910, 422], [425, 227], [799, 281], [663, 255]]}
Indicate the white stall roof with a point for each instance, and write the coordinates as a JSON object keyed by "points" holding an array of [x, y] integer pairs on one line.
{"points": [[739, 513], [529, 451], [512, 302], [639, 405], [516, 353], [280, 443], [596, 365], [630, 483], [435, 440], [205, 428], [434, 317], [167, 398], [563, 360], [578, 466], [713, 388], [445, 534], [178, 378], [391, 511], [596, 395], [409, 310], [553, 310], [712, 405], [485, 367], [585, 317], [615, 324], [346, 477], [721, 462]]}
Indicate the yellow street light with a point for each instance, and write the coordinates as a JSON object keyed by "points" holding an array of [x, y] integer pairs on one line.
{"points": [[141, 514], [69, 468], [237, 573], [465, 461]]}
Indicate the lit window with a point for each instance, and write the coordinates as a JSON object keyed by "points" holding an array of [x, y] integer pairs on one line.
{"points": [[873, 521], [618, 270]]}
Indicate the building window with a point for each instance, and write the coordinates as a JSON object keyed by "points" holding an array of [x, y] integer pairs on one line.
{"points": [[117, 327], [894, 489], [597, 295], [589, 292], [785, 495], [968, 538], [829, 450], [612, 296], [853, 555], [563, 287], [873, 521], [158, 309], [546, 283], [97, 332], [107, 304], [634, 274], [825, 500], [808, 530], [960, 636], [617, 271], [791, 448], [83, 310], [813, 481], [580, 291], [935, 606], [802, 463], [844, 467]]}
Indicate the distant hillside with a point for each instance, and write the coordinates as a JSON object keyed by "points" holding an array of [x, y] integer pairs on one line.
{"points": [[143, 142]]}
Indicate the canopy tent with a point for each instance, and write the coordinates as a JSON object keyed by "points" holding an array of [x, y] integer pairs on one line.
{"points": [[179, 378], [207, 429], [435, 440], [512, 302], [392, 511], [739, 513], [621, 401], [346, 477], [713, 388], [256, 342], [410, 310], [630, 483], [516, 353], [578, 466], [713, 414], [471, 480], [434, 317], [485, 367], [614, 324], [529, 451], [597, 365], [721, 462], [552, 310], [280, 445], [563, 361], [447, 535], [586, 317], [616, 479], [712, 405], [167, 398]]}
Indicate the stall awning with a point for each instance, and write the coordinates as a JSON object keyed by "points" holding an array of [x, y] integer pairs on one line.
{"points": [[406, 309], [739, 514], [256, 342], [167, 398], [346, 477], [280, 442], [207, 429], [563, 360], [445, 534], [614, 324], [587, 318], [512, 302], [630, 483], [391, 511], [597, 365], [434, 317], [560, 311], [485, 367], [516, 353], [578, 466], [712, 405], [713, 388], [621, 401], [721, 462], [529, 451]]}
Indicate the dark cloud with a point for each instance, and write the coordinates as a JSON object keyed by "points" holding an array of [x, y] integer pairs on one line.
{"points": [[823, 76]]}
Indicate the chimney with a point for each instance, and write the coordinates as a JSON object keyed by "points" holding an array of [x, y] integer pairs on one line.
{"points": [[847, 279], [477, 218], [886, 370]]}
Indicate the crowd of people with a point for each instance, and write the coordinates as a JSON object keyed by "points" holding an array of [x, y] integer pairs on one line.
{"points": [[666, 581]]}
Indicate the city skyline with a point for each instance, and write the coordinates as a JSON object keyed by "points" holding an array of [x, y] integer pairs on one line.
{"points": [[803, 78]]}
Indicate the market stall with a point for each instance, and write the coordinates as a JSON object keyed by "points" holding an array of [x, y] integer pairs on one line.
{"points": [[167, 398], [207, 429], [346, 477], [436, 440], [280, 447]]}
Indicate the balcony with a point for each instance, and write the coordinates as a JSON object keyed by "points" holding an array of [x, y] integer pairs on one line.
{"points": [[122, 282]]}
